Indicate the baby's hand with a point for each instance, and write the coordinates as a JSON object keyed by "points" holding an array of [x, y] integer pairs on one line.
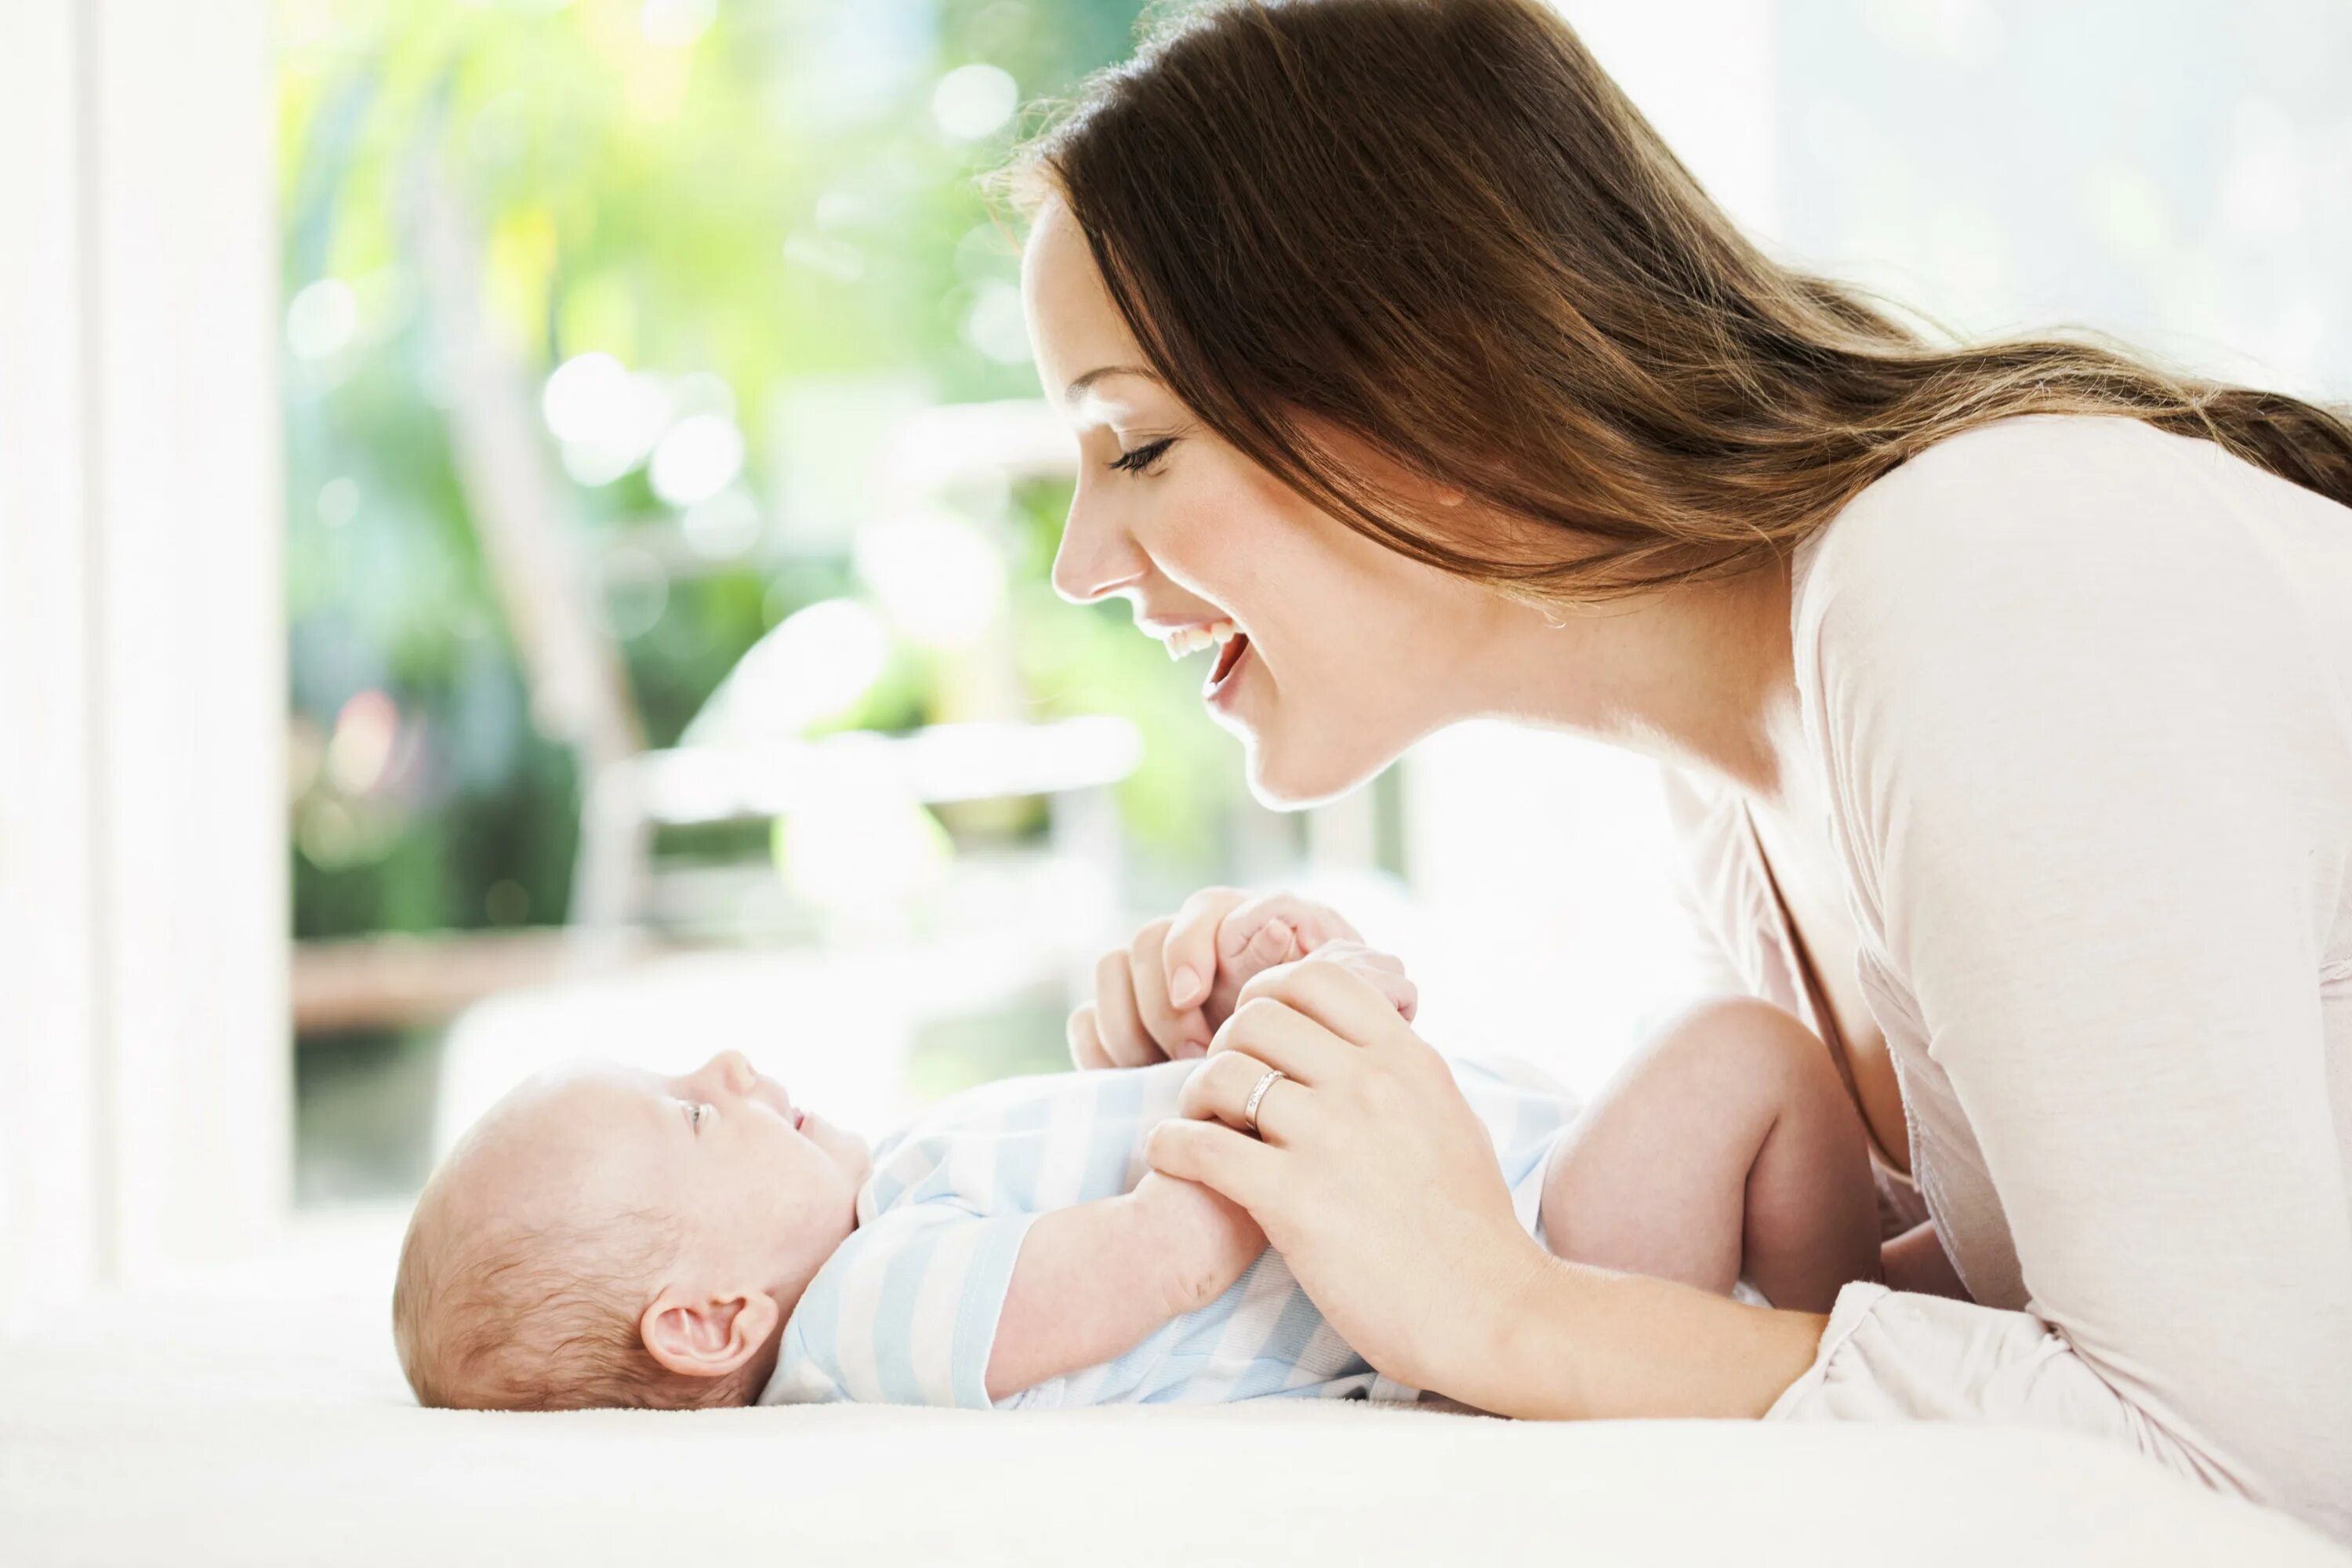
{"points": [[1167, 993], [1256, 937], [1384, 970], [1208, 1240]]}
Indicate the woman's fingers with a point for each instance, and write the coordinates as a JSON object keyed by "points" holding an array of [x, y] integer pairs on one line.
{"points": [[1224, 936], [1173, 1029], [1385, 970], [1245, 1170], [1271, 1031], [1117, 1023], [1315, 923], [1220, 1090], [1189, 954], [1355, 1004], [1086, 1044], [1380, 1188]]}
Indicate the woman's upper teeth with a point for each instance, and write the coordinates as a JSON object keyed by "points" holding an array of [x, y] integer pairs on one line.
{"points": [[1193, 639]]}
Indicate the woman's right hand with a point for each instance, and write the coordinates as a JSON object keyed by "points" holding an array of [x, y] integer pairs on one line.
{"points": [[1164, 994]]}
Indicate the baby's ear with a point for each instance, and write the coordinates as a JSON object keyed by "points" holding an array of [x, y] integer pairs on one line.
{"points": [[708, 1336]]}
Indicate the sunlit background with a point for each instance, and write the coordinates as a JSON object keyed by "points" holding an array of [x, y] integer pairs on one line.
{"points": [[669, 509], [669, 503], [558, 564]]}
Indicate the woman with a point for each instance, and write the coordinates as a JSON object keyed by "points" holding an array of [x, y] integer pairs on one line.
{"points": [[2009, 689]]}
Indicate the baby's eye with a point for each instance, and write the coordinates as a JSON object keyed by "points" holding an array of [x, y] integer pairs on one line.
{"points": [[695, 1110]]}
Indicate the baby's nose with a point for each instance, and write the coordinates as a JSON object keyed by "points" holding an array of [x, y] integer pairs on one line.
{"points": [[736, 1071]]}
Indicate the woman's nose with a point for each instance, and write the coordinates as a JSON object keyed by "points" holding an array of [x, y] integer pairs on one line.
{"points": [[1095, 558]]}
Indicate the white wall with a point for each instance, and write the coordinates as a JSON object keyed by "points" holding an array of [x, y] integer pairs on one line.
{"points": [[144, 1064]]}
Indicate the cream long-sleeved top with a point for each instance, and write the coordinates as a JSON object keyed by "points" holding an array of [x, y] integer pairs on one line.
{"points": [[2080, 692]]}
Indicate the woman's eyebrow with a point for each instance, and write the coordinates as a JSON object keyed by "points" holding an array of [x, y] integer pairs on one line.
{"points": [[1078, 387]]}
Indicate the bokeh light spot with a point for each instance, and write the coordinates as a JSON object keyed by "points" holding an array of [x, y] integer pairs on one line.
{"points": [[320, 318], [973, 101]]}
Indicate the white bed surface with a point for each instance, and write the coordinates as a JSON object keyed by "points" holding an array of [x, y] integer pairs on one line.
{"points": [[166, 1428]]}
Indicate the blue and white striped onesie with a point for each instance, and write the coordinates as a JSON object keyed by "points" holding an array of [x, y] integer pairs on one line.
{"points": [[905, 1311]]}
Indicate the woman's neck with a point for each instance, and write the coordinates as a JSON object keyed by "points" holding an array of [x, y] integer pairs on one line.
{"points": [[1702, 676]]}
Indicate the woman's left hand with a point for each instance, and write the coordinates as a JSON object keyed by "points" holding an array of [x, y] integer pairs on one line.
{"points": [[1371, 1174]]}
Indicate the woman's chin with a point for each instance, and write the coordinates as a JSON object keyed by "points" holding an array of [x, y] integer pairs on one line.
{"points": [[1282, 780]]}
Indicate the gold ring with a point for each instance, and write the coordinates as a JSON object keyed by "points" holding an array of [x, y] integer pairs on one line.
{"points": [[1249, 1112]]}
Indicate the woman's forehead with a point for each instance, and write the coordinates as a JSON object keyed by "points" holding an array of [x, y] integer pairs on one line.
{"points": [[1077, 326]]}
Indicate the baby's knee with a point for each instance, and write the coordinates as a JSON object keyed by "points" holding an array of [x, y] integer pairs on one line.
{"points": [[1736, 1032], [1746, 1046]]}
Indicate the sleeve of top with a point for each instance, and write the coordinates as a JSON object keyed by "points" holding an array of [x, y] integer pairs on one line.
{"points": [[905, 1311], [2088, 776]]}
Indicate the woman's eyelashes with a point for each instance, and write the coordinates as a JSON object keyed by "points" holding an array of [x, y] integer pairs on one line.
{"points": [[1141, 460]]}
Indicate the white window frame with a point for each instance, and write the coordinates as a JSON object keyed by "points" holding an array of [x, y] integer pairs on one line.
{"points": [[145, 1067]]}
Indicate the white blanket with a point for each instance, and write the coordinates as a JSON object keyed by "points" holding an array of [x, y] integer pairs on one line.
{"points": [[271, 1427]]}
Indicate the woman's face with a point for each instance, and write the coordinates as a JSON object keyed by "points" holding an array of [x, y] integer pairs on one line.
{"points": [[1347, 652]]}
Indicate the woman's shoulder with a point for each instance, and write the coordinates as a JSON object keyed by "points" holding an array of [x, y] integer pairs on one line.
{"points": [[2054, 527], [2098, 573], [2008, 500]]}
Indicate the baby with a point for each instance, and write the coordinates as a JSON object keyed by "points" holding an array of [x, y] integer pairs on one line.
{"points": [[609, 1236]]}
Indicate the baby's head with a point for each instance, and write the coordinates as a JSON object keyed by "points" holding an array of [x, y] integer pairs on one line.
{"points": [[607, 1236]]}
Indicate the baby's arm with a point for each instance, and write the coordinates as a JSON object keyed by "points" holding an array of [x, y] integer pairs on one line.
{"points": [[1095, 1280]]}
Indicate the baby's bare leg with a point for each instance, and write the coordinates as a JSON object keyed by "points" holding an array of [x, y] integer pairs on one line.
{"points": [[1728, 1145]]}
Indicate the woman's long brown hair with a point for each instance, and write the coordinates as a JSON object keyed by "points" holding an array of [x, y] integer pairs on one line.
{"points": [[1437, 227]]}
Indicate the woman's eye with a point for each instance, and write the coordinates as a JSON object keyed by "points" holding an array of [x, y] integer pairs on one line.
{"points": [[1142, 457]]}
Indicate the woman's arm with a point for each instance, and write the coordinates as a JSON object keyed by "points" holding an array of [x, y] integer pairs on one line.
{"points": [[1582, 1344]]}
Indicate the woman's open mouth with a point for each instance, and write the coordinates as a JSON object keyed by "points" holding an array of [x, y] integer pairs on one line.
{"points": [[1229, 655]]}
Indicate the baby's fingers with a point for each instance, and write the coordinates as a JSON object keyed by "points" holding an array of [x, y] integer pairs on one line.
{"points": [[1385, 970], [1270, 946], [1312, 923], [1401, 992]]}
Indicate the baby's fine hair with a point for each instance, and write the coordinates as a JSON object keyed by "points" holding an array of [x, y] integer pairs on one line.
{"points": [[545, 1317]]}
